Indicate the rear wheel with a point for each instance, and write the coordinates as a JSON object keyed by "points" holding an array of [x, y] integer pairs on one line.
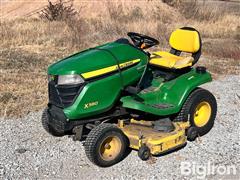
{"points": [[200, 109], [106, 145], [46, 125]]}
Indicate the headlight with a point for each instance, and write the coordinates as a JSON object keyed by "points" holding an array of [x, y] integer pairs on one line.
{"points": [[70, 79]]}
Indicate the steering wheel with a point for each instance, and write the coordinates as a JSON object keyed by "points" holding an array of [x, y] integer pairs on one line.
{"points": [[142, 41]]}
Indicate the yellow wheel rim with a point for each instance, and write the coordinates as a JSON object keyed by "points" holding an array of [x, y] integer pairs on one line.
{"points": [[110, 148], [202, 114]]}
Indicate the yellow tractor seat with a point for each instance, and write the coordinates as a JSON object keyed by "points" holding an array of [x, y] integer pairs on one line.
{"points": [[186, 40], [168, 60]]}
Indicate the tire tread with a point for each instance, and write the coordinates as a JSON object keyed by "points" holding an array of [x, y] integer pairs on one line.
{"points": [[92, 139]]}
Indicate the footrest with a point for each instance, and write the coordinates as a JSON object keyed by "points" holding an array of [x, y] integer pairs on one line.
{"points": [[132, 90], [162, 106], [161, 109]]}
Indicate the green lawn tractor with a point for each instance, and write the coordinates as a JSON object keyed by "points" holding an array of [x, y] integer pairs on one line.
{"points": [[118, 96]]}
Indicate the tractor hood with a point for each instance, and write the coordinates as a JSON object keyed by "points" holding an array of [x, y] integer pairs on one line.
{"points": [[97, 58]]}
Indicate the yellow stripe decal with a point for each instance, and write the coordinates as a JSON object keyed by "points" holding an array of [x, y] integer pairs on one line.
{"points": [[109, 69]]}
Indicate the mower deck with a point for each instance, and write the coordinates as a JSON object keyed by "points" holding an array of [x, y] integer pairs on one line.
{"points": [[141, 133]]}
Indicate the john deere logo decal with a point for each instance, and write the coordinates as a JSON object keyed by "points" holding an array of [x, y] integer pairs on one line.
{"points": [[51, 77]]}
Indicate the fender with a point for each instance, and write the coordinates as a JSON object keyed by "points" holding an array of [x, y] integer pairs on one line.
{"points": [[191, 81]]}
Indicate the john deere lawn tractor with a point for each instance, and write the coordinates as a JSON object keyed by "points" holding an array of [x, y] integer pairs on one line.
{"points": [[118, 96]]}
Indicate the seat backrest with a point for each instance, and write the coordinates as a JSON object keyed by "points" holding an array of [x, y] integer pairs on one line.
{"points": [[186, 40]]}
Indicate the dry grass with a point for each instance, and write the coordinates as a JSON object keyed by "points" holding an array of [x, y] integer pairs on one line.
{"points": [[28, 46]]}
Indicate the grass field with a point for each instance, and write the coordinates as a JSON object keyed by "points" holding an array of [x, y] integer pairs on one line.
{"points": [[29, 44]]}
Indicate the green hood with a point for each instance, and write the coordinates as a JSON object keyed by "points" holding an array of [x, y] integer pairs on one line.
{"points": [[96, 58]]}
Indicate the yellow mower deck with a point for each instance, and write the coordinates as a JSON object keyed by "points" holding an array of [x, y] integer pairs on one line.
{"points": [[142, 133]]}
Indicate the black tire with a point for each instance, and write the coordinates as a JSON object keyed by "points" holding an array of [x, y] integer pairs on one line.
{"points": [[96, 139], [51, 130], [188, 110], [144, 153]]}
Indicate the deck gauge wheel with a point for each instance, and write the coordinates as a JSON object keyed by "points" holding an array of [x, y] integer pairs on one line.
{"points": [[144, 153], [192, 133]]}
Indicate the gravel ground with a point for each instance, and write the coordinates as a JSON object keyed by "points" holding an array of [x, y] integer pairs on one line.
{"points": [[27, 151]]}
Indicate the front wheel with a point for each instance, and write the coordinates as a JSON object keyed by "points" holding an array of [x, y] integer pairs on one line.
{"points": [[106, 145], [200, 109]]}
